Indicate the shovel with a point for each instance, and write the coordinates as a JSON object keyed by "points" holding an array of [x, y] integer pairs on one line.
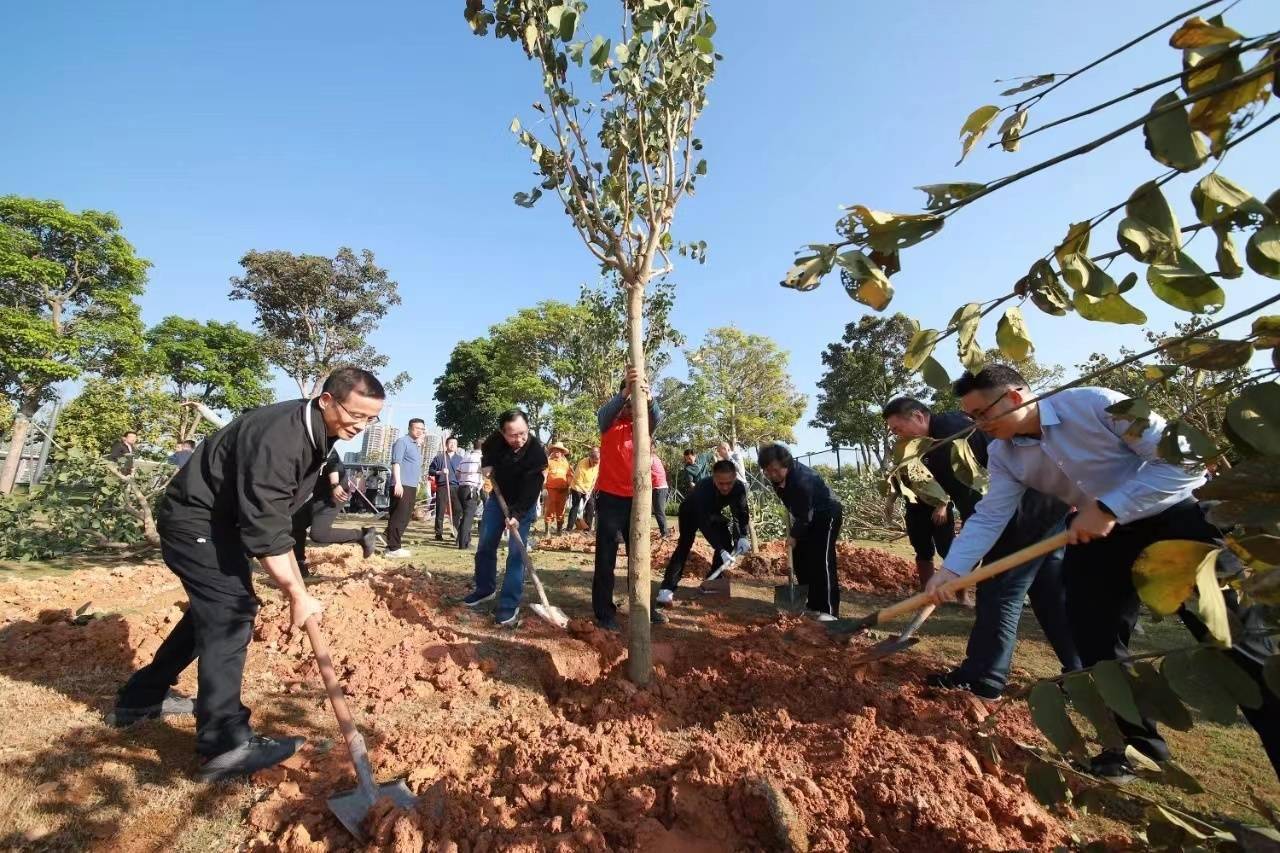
{"points": [[351, 807], [791, 596], [543, 608], [893, 645], [848, 627]]}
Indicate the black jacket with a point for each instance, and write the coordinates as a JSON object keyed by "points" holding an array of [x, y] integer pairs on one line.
{"points": [[250, 477], [938, 461], [122, 455], [518, 474], [806, 497], [705, 501]]}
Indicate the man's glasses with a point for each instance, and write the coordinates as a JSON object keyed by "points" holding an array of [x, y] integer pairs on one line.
{"points": [[981, 415], [369, 420]]}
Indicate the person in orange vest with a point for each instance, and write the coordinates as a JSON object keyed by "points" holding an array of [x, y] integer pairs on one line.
{"points": [[614, 492], [557, 486]]}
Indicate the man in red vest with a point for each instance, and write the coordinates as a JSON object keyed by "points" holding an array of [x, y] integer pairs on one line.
{"points": [[614, 493]]}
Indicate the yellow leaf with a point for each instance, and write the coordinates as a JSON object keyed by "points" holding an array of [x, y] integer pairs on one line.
{"points": [[1165, 573], [974, 126], [1213, 607], [1197, 32]]}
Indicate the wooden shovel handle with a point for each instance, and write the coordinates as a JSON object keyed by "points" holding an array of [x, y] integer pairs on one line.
{"points": [[990, 570], [338, 699], [514, 538]]}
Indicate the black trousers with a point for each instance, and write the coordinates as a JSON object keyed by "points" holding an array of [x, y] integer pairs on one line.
{"points": [[714, 528], [927, 538], [586, 503], [469, 502], [316, 519], [613, 523], [1102, 606], [401, 513], [451, 504], [815, 556], [215, 631], [660, 509]]}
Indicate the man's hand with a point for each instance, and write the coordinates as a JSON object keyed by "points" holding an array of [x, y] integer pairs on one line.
{"points": [[340, 495], [743, 546], [302, 606], [513, 524], [398, 491], [1090, 523], [940, 577], [632, 375], [941, 516]]}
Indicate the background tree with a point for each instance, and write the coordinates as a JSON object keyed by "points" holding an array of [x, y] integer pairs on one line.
{"points": [[217, 364], [106, 409], [317, 313], [741, 381], [467, 399], [619, 186], [70, 280]]}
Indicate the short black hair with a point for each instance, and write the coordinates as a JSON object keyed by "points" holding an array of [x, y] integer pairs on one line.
{"points": [[413, 421], [903, 407], [449, 438], [510, 415], [128, 432], [186, 442], [688, 451], [724, 466], [771, 453], [991, 377], [342, 382]]}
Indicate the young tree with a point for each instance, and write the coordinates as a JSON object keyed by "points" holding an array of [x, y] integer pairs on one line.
{"points": [[317, 313], [743, 383], [620, 181], [217, 364], [70, 280]]}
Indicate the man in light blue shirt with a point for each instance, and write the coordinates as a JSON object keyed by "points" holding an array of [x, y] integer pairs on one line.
{"points": [[1126, 498], [406, 474]]}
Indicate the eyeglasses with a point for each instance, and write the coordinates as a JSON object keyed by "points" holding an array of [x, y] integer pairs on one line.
{"points": [[981, 414], [369, 420]]}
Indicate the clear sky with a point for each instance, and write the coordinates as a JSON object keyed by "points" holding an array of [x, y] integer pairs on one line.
{"points": [[216, 128]]}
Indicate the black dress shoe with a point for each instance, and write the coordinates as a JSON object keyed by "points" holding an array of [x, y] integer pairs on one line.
{"points": [[173, 705], [257, 753], [1111, 764], [954, 680], [368, 541]]}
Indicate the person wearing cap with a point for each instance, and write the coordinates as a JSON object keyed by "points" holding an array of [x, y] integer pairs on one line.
{"points": [[557, 486]]}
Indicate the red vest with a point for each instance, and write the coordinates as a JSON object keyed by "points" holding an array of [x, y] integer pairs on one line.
{"points": [[616, 447]]}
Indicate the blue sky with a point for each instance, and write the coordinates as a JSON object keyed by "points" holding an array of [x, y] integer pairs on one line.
{"points": [[216, 128]]}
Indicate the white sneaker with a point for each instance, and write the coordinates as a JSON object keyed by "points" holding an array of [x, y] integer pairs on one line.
{"points": [[398, 554], [665, 596], [826, 617]]}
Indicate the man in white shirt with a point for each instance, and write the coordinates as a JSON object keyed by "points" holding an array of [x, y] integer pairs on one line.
{"points": [[470, 491]]}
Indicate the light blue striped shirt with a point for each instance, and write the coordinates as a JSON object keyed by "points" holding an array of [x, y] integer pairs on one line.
{"points": [[1083, 455]]}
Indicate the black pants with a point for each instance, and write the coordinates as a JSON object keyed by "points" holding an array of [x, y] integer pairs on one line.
{"points": [[660, 509], [448, 504], [586, 503], [613, 523], [469, 505], [815, 556], [1102, 606], [215, 630], [927, 538], [318, 517], [716, 530], [401, 512]]}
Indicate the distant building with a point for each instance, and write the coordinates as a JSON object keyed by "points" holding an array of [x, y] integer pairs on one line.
{"points": [[351, 457], [377, 443], [431, 444]]}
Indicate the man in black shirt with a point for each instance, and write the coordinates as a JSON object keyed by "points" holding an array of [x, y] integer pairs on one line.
{"points": [[318, 515], [516, 462], [122, 452], [703, 509], [816, 517], [235, 499], [989, 654]]}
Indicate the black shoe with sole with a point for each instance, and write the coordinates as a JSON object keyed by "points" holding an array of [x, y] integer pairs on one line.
{"points": [[368, 541], [954, 680], [1111, 764], [173, 705], [476, 598], [257, 753], [657, 617]]}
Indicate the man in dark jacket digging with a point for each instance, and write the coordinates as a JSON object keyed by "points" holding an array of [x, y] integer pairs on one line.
{"points": [[233, 500], [703, 510]]}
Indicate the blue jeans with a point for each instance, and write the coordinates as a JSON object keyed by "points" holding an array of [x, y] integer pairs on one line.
{"points": [[1000, 599], [491, 527]]}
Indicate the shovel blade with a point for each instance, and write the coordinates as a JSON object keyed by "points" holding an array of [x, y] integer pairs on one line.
{"points": [[351, 807], [790, 597], [884, 648], [554, 615]]}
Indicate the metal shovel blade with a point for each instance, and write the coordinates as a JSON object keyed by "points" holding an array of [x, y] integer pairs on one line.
{"points": [[551, 614], [883, 649], [791, 597], [351, 807]]}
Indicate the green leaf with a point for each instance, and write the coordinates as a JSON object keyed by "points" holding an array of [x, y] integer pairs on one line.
{"points": [[1046, 291], [527, 199], [1012, 336], [935, 375], [1266, 331], [1165, 572], [1160, 372], [942, 195], [1086, 699], [1034, 83], [1253, 480], [1271, 673], [1156, 698], [920, 348], [808, 271], [1210, 354], [1112, 308], [1170, 139], [1113, 684], [1182, 442], [974, 127], [1227, 256], [1237, 683], [704, 45], [1141, 241], [1046, 784], [1049, 713], [1212, 604], [1075, 243], [600, 47], [515, 125], [1254, 417], [1148, 205], [866, 282], [1184, 285], [563, 21], [890, 232], [966, 320], [1192, 679], [1011, 130], [701, 168], [1173, 773], [1262, 252], [1220, 201], [967, 468]]}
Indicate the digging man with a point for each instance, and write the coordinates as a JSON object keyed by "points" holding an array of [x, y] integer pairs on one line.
{"points": [[703, 510], [235, 499]]}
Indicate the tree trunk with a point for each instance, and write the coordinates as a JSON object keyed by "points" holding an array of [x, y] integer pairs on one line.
{"points": [[9, 474], [639, 662]]}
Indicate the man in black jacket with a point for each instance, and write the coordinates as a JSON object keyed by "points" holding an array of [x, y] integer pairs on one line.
{"points": [[815, 527], [122, 452], [235, 499], [514, 459], [317, 516], [703, 509]]}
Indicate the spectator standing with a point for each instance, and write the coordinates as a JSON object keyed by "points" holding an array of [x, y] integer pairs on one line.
{"points": [[406, 474], [470, 492], [558, 479], [658, 475], [122, 452], [582, 491], [444, 474]]}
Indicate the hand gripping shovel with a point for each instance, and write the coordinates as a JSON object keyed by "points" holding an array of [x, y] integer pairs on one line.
{"points": [[554, 615], [791, 596], [351, 807], [848, 627]]}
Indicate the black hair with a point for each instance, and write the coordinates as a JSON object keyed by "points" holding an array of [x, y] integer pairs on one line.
{"points": [[342, 382], [413, 421], [688, 451], [129, 431], [991, 377], [771, 453], [449, 438], [510, 415], [903, 407], [724, 466], [188, 443]]}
